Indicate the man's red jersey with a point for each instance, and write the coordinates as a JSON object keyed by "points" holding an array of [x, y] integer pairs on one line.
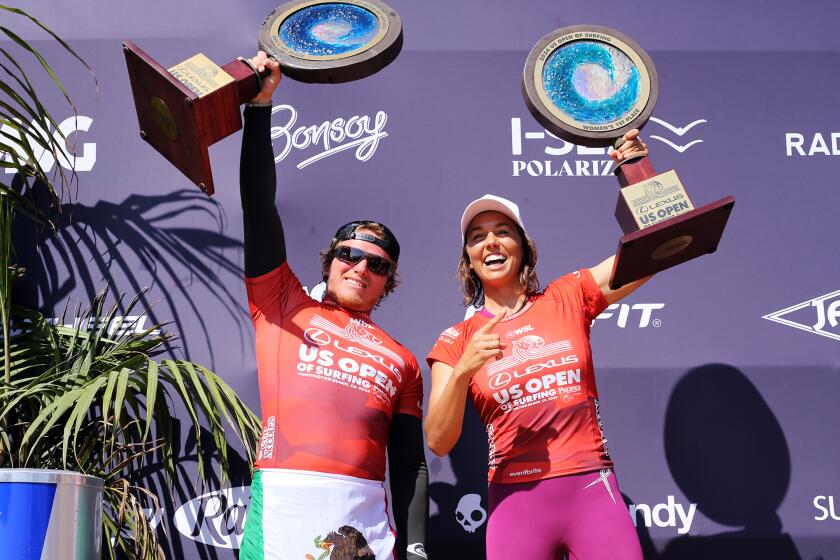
{"points": [[330, 381], [538, 403]]}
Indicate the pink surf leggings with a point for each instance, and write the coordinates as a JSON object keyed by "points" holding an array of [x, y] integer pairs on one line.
{"points": [[582, 516]]}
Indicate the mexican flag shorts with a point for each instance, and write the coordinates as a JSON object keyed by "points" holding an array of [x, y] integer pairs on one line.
{"points": [[305, 515]]}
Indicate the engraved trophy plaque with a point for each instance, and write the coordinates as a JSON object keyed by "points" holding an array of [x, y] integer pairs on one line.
{"points": [[186, 108], [589, 85]]}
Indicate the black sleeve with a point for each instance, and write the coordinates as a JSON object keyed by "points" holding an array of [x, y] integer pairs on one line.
{"points": [[265, 246], [409, 485]]}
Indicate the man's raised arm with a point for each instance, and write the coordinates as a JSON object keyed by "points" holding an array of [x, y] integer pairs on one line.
{"points": [[265, 245]]}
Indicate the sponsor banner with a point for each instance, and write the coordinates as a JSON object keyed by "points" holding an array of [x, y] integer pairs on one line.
{"points": [[812, 144], [820, 315], [360, 134], [668, 514], [75, 152], [558, 158], [632, 315], [410, 146], [554, 157], [826, 510], [216, 518], [677, 137]]}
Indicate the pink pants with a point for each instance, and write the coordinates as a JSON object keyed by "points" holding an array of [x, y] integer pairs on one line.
{"points": [[582, 516]]}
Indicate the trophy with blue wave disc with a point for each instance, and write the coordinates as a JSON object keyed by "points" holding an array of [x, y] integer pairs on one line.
{"points": [[184, 109], [332, 42], [589, 85]]}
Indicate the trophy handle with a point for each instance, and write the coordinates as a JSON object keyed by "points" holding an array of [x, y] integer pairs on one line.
{"points": [[634, 170]]}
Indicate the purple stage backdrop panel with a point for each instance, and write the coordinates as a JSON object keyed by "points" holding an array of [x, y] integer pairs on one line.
{"points": [[437, 129], [486, 25], [744, 448]]}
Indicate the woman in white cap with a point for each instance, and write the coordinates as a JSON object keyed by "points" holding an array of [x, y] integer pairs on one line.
{"points": [[551, 486]]}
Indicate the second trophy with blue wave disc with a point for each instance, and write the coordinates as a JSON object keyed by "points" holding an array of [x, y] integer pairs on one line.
{"points": [[589, 85]]}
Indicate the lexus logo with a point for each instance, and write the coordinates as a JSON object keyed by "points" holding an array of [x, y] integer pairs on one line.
{"points": [[499, 381], [316, 336]]}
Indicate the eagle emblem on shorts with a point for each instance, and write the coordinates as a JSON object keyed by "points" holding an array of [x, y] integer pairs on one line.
{"points": [[348, 543]]}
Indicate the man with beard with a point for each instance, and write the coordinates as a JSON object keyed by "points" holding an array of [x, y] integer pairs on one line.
{"points": [[337, 391]]}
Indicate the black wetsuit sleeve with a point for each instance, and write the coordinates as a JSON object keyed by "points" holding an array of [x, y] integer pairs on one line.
{"points": [[409, 478], [265, 246]]}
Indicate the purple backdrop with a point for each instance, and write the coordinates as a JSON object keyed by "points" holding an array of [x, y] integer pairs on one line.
{"points": [[718, 379]]}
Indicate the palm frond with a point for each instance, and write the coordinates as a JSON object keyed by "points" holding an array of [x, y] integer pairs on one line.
{"points": [[92, 396], [70, 379]]}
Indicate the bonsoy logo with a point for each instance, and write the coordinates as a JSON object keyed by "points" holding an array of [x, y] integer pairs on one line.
{"points": [[361, 133], [820, 315]]}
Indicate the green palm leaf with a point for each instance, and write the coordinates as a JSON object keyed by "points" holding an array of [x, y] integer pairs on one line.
{"points": [[94, 397]]}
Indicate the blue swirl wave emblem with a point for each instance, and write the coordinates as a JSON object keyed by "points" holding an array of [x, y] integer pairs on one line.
{"points": [[329, 29], [591, 82]]}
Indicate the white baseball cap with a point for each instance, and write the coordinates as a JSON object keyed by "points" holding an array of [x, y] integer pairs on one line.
{"points": [[487, 203]]}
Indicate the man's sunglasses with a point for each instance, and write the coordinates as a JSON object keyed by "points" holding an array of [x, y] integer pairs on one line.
{"points": [[351, 255]]}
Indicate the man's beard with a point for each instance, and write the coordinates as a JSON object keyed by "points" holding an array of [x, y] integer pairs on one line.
{"points": [[351, 301]]}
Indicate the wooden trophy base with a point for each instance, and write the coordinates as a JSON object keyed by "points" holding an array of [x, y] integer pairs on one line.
{"points": [[688, 236], [654, 239], [184, 110]]}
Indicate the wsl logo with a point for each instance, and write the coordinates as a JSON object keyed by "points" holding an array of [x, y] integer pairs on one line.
{"points": [[820, 315], [360, 133]]}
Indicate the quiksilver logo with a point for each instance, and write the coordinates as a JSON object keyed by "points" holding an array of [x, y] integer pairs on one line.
{"points": [[820, 315]]}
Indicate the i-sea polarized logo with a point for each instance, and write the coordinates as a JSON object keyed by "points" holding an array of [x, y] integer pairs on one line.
{"points": [[558, 158]]}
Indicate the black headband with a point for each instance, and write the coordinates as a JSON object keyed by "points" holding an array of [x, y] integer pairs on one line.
{"points": [[388, 243]]}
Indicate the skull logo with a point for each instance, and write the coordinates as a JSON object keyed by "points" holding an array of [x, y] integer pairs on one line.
{"points": [[469, 512]]}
